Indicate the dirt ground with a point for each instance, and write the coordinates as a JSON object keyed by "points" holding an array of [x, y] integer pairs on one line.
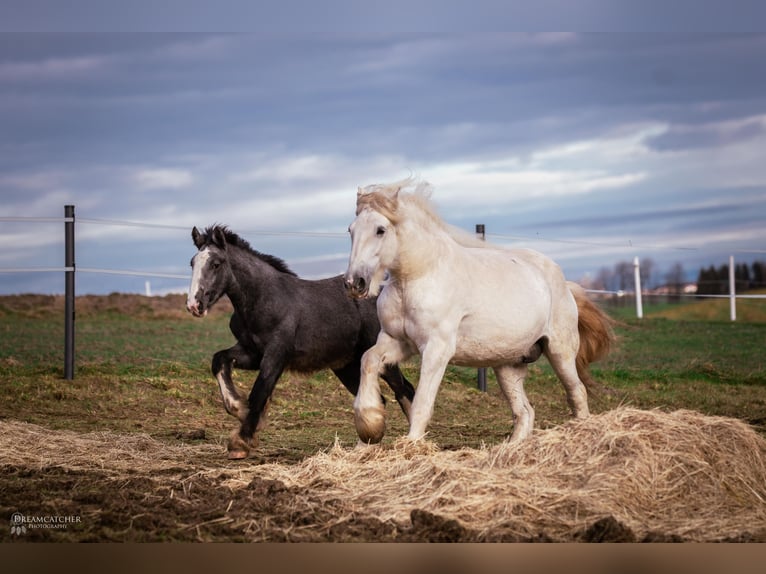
{"points": [[138, 509]]}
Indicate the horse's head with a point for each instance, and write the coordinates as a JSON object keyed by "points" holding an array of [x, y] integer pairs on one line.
{"points": [[210, 271], [373, 251]]}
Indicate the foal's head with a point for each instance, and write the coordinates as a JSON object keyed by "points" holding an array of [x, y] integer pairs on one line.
{"points": [[222, 255], [210, 270]]}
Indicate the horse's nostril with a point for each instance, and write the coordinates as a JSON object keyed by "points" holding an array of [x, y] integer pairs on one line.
{"points": [[360, 283]]}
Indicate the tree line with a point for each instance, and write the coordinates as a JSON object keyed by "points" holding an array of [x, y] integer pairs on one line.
{"points": [[710, 280], [715, 280]]}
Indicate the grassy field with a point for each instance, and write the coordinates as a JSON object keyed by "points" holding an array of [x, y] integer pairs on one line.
{"points": [[135, 444], [143, 365], [691, 309]]}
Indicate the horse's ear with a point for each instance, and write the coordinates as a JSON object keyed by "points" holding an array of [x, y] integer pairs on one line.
{"points": [[218, 238], [197, 237]]}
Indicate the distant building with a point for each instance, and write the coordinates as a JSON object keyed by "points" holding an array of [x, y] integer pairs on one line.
{"points": [[683, 288]]}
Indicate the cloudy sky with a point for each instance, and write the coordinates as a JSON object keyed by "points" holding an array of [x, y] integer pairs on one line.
{"points": [[592, 148]]}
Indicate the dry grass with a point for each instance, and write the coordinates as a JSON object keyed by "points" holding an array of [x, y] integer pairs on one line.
{"points": [[748, 310], [172, 306], [682, 474]]}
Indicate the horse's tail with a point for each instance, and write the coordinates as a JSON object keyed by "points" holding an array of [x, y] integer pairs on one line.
{"points": [[596, 335]]}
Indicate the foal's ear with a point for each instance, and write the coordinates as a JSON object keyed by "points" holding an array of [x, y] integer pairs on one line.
{"points": [[197, 237], [218, 238]]}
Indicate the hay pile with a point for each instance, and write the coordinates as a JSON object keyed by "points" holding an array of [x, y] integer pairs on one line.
{"points": [[681, 474]]}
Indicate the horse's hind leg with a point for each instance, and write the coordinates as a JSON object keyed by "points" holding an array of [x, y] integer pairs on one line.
{"points": [[511, 381], [561, 355]]}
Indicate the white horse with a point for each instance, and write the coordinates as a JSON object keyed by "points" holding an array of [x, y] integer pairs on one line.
{"points": [[455, 299]]}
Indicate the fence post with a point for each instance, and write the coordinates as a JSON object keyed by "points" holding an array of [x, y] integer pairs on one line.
{"points": [[637, 279], [732, 290], [481, 375], [69, 292]]}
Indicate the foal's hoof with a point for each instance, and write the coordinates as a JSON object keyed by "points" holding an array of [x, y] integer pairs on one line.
{"points": [[370, 424], [238, 454], [238, 448]]}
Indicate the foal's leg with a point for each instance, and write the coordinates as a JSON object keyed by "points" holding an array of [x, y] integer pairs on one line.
{"points": [[435, 356], [223, 361], [403, 389], [240, 442], [349, 376], [511, 381], [369, 414]]}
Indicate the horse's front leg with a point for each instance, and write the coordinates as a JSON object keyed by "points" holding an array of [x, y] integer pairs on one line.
{"points": [[435, 356], [369, 413], [222, 363], [242, 440]]}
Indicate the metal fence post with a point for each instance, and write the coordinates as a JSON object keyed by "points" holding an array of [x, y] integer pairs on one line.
{"points": [[732, 290], [481, 375], [69, 312]]}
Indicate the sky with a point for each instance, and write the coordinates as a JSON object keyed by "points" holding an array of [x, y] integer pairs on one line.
{"points": [[592, 148]]}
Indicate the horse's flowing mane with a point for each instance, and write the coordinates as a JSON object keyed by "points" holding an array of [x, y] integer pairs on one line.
{"points": [[396, 205], [232, 238]]}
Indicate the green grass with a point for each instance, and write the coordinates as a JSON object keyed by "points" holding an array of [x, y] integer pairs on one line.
{"points": [[691, 309], [152, 374]]}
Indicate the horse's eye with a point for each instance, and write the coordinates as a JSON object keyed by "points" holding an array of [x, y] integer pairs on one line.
{"points": [[380, 231]]}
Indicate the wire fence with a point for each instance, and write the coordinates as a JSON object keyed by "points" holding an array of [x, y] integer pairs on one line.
{"points": [[628, 244], [69, 269]]}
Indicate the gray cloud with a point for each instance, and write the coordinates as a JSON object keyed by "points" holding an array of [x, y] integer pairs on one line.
{"points": [[529, 132]]}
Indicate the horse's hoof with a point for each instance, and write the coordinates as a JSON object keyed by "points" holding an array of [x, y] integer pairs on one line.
{"points": [[238, 454], [370, 424], [238, 447]]}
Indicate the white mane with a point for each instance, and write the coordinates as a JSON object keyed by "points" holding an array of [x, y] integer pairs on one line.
{"points": [[410, 198]]}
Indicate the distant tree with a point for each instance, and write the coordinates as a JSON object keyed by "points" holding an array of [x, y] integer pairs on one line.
{"points": [[675, 280], [742, 276], [624, 273], [604, 279], [758, 277], [647, 269], [711, 281], [723, 279], [702, 280]]}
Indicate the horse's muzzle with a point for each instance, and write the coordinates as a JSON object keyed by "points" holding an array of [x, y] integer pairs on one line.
{"points": [[357, 287], [196, 309]]}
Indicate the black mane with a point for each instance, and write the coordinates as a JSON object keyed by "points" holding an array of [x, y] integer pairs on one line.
{"points": [[235, 240]]}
